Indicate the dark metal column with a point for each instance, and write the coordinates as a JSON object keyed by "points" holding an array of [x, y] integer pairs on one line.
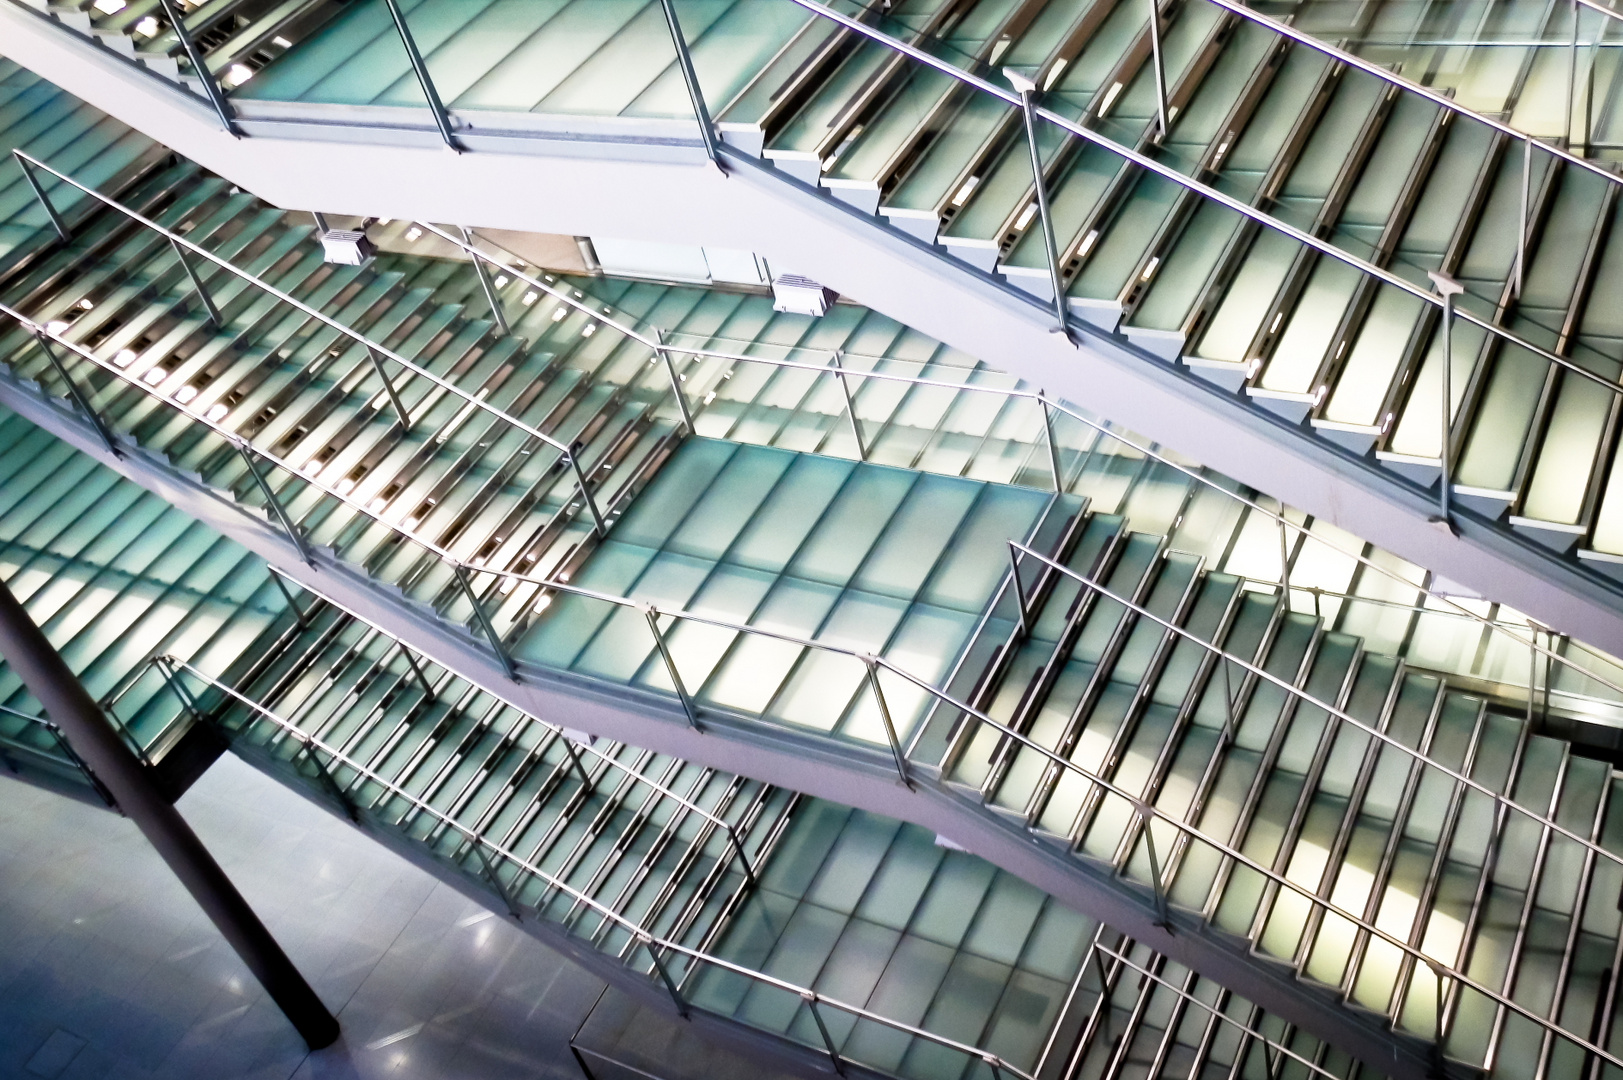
{"points": [[73, 711]]}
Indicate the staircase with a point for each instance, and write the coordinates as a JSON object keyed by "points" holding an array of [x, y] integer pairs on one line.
{"points": [[115, 576]]}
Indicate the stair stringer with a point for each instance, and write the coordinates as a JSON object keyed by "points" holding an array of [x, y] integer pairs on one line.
{"points": [[651, 184], [773, 754]]}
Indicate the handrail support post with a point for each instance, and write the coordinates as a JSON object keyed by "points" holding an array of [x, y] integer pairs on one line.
{"points": [[651, 613], [489, 287], [1445, 516], [442, 119], [743, 856], [665, 977], [57, 223], [1160, 69], [850, 405], [200, 68], [1027, 90], [676, 381], [872, 663], [1146, 815], [485, 625], [1019, 590], [78, 396], [701, 111], [197, 283], [389, 388], [598, 524], [810, 998], [1053, 447], [276, 507]]}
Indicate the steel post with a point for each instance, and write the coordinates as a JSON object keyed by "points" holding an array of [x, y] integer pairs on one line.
{"points": [[598, 525], [486, 284], [1147, 817], [665, 977], [496, 881], [676, 382], [299, 616], [738, 846], [652, 615], [1450, 289], [1053, 447], [850, 405], [200, 68], [485, 625], [1027, 91], [93, 739], [1521, 231], [79, 397], [1572, 78], [810, 997], [197, 283], [57, 223], [329, 781], [442, 119], [417, 670], [574, 759], [1284, 560], [701, 111], [872, 663], [389, 388], [280, 514], [1019, 589], [1160, 68]]}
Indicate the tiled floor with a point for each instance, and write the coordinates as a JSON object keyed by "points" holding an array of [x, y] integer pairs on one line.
{"points": [[108, 969]]}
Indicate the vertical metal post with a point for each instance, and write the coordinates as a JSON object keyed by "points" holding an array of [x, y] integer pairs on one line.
{"points": [[995, 1063], [1284, 561], [485, 283], [676, 382], [1147, 817], [850, 405], [1160, 68], [738, 846], [1104, 986], [701, 111], [72, 710], [496, 881], [810, 997], [441, 118], [211, 88], [652, 615], [483, 620], [39, 193], [1521, 231], [328, 780], [1572, 78], [321, 222], [1027, 89], [1231, 728], [299, 616], [665, 977], [287, 524], [872, 663], [586, 494], [1450, 289], [78, 396], [389, 388], [197, 283], [417, 670], [1019, 589], [574, 759], [171, 679], [1437, 1020], [1532, 672], [1053, 447]]}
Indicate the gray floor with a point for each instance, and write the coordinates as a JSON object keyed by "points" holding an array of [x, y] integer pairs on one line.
{"points": [[107, 968]]}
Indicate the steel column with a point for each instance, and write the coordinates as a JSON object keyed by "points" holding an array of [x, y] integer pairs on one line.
{"points": [[442, 119], [75, 713], [211, 88], [701, 111]]}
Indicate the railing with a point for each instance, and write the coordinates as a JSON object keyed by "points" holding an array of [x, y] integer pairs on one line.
{"points": [[67, 759], [873, 665], [658, 948], [1051, 408]]}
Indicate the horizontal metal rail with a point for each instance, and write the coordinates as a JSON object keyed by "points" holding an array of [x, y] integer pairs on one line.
{"points": [[1145, 809], [640, 933], [1219, 1014], [356, 336], [822, 370], [1239, 206], [612, 762]]}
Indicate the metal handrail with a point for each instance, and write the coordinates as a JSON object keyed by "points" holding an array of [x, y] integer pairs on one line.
{"points": [[874, 662], [1239, 206], [331, 323], [644, 936], [1219, 1014], [1302, 695], [1198, 476], [557, 730]]}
